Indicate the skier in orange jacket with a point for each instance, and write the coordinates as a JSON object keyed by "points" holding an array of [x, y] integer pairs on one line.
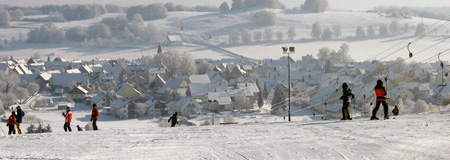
{"points": [[68, 119], [381, 93], [94, 116]]}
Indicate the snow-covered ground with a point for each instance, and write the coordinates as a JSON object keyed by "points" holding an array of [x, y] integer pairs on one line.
{"points": [[420, 136]]}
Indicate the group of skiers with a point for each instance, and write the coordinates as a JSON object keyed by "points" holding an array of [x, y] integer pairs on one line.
{"points": [[68, 119], [380, 92], [15, 120]]}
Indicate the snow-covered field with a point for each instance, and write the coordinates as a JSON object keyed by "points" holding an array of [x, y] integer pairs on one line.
{"points": [[421, 136]]}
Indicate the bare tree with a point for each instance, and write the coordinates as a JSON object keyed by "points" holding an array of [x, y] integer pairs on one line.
{"points": [[187, 64], [291, 33], [98, 30], [241, 101], [257, 36], [233, 37], [268, 34], [337, 30], [316, 32], [21, 93], [16, 15], [264, 17], [246, 36], [279, 35], [420, 29], [204, 66], [371, 31], [4, 17], [224, 7], [395, 27], [383, 30], [327, 34], [360, 31]]}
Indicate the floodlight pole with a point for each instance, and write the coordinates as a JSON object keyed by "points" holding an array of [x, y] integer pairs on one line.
{"points": [[286, 51]]}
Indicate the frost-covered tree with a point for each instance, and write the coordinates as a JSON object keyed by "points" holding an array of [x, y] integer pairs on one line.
{"points": [[150, 12], [21, 93], [279, 35], [204, 66], [420, 29], [56, 17], [324, 54], [316, 32], [187, 64], [117, 23], [291, 33], [278, 101], [268, 34], [246, 36], [265, 18], [16, 15], [257, 36], [360, 31], [170, 6], [327, 34], [315, 5], [224, 7], [233, 37], [337, 30], [342, 55], [111, 8], [76, 33], [371, 31], [394, 27], [99, 30], [48, 33], [260, 99], [400, 66], [383, 30], [4, 17], [241, 101], [237, 4]]}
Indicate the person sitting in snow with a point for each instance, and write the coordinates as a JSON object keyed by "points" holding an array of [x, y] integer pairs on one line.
{"points": [[395, 111], [173, 118], [347, 94], [12, 123], [68, 119]]}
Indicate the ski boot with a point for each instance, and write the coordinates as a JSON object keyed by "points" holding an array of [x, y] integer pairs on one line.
{"points": [[386, 117], [374, 118]]}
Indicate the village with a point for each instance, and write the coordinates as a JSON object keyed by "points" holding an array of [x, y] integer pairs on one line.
{"points": [[132, 89]]}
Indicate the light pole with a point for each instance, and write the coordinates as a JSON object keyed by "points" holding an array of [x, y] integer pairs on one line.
{"points": [[288, 51]]}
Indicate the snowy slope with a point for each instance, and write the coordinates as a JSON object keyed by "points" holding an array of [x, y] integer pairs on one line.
{"points": [[422, 136]]}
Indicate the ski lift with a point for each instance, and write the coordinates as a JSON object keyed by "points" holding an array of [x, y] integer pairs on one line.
{"points": [[442, 68], [410, 53]]}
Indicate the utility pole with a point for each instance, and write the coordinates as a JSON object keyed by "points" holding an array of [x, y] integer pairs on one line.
{"points": [[288, 51]]}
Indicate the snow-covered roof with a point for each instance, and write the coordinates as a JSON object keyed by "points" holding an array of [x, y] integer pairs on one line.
{"points": [[73, 71], [98, 97], [157, 70], [65, 79], [79, 88], [200, 89], [150, 102], [119, 103], [138, 69], [125, 85], [174, 38], [173, 83], [221, 97], [182, 101], [248, 86], [202, 79], [28, 77]]}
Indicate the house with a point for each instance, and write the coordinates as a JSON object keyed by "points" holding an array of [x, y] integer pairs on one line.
{"points": [[187, 107], [138, 70], [119, 109], [174, 39], [78, 94], [217, 101], [150, 103], [198, 90], [153, 72], [157, 109], [128, 92], [198, 79], [178, 84], [157, 83], [102, 100]]}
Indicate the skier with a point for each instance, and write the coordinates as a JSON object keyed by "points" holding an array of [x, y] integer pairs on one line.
{"points": [[68, 119], [19, 117], [346, 95], [395, 111], [11, 123], [94, 116], [380, 91], [173, 118]]}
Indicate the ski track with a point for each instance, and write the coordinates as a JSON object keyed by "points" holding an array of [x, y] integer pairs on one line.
{"points": [[407, 137]]}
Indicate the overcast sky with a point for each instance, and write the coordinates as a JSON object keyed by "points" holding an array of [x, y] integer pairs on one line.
{"points": [[335, 4]]}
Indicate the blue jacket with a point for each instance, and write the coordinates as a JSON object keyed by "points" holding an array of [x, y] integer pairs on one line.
{"points": [[19, 115]]}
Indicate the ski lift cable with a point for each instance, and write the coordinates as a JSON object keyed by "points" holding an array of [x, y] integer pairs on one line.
{"points": [[417, 39]]}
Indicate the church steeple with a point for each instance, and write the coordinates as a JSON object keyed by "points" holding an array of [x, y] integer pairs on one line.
{"points": [[159, 49]]}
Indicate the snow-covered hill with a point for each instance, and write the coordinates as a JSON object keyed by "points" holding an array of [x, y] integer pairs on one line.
{"points": [[422, 136]]}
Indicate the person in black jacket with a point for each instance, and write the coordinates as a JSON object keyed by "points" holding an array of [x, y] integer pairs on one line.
{"points": [[19, 118], [173, 118], [347, 94]]}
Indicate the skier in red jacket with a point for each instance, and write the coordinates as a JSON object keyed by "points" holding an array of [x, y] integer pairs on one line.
{"points": [[68, 119], [12, 123], [94, 116]]}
